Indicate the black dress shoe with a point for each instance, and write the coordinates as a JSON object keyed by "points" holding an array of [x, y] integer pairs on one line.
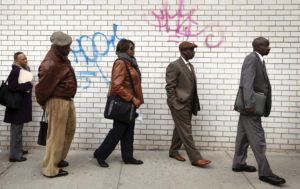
{"points": [[62, 164], [101, 162], [133, 161], [25, 152], [60, 174], [274, 179], [17, 160], [246, 168]]}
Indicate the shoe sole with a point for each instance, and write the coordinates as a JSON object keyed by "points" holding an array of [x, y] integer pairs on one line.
{"points": [[16, 160], [56, 176], [196, 165], [279, 183], [236, 170], [176, 158]]}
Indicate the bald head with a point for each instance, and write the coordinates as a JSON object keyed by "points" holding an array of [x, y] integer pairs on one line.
{"points": [[260, 41]]}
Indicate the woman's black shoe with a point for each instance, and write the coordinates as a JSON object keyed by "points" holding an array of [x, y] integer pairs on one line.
{"points": [[101, 162], [133, 161]]}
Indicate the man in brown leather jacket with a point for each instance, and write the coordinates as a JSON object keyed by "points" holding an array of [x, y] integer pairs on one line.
{"points": [[55, 91]]}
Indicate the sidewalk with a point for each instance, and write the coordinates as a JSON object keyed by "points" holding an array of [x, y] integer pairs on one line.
{"points": [[158, 172]]}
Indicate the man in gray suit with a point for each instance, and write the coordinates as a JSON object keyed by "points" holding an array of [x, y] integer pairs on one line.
{"points": [[254, 78], [183, 102]]}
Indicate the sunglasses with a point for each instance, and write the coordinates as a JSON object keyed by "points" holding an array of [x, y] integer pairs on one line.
{"points": [[131, 48]]}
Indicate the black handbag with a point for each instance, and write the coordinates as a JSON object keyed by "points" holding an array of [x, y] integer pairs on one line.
{"points": [[43, 130], [118, 109], [8, 98]]}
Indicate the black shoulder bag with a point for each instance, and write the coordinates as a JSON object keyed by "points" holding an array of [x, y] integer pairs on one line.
{"points": [[42, 138], [8, 98], [119, 109]]}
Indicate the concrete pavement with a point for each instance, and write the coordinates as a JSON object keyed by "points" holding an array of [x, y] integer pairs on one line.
{"points": [[158, 172]]}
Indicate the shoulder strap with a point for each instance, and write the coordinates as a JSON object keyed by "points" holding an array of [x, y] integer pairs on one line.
{"points": [[131, 81], [129, 74], [44, 117]]}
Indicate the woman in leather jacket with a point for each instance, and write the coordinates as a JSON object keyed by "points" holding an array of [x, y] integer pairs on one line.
{"points": [[121, 86]]}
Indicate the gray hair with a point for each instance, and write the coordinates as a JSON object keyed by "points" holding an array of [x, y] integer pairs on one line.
{"points": [[16, 55]]}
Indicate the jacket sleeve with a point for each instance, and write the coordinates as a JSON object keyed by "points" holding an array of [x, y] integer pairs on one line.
{"points": [[14, 85], [47, 83], [119, 74], [171, 79], [248, 76]]}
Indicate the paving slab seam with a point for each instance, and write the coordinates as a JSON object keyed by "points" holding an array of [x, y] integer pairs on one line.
{"points": [[5, 169], [120, 176], [242, 172]]}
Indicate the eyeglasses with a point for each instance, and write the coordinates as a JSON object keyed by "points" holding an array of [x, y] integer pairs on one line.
{"points": [[131, 48]]}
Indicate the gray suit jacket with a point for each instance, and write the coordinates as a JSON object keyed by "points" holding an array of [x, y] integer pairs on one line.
{"points": [[181, 86], [254, 77]]}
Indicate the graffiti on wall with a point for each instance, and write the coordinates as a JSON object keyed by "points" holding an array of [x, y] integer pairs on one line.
{"points": [[181, 26], [87, 49]]}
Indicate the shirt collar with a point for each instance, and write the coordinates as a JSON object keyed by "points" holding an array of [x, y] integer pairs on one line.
{"points": [[184, 60], [260, 57]]}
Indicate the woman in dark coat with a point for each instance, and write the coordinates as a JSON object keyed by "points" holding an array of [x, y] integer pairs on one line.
{"points": [[121, 86], [17, 117]]}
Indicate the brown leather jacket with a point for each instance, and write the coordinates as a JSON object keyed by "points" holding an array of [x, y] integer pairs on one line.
{"points": [[120, 82], [56, 78]]}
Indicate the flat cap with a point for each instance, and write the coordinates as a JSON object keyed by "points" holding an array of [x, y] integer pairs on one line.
{"points": [[60, 39], [186, 45]]}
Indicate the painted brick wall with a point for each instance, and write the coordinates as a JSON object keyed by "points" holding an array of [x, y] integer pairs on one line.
{"points": [[223, 30]]}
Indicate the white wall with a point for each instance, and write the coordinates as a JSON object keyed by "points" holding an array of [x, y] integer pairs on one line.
{"points": [[26, 25]]}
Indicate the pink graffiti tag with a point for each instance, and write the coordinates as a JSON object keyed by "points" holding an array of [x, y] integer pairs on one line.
{"points": [[183, 25]]}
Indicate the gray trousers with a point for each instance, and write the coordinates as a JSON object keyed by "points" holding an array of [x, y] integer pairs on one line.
{"points": [[250, 131], [182, 134], [16, 141]]}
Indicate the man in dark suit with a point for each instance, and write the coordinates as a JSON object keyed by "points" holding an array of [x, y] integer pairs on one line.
{"points": [[254, 78], [183, 102]]}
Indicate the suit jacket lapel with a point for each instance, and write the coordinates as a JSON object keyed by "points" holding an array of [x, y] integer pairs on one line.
{"points": [[193, 72], [262, 68], [185, 69]]}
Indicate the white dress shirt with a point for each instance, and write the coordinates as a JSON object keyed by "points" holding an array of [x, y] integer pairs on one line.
{"points": [[261, 57], [186, 63]]}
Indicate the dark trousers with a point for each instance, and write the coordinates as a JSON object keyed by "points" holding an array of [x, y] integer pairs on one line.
{"points": [[16, 141], [120, 132], [250, 132]]}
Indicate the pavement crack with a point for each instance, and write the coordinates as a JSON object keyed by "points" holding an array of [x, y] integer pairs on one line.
{"points": [[120, 175], [5, 169]]}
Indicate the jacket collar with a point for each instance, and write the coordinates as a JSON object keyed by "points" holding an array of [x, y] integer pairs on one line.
{"points": [[185, 68], [260, 64], [55, 52], [21, 67]]}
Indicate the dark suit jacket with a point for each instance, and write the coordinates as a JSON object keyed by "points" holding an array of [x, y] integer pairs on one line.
{"points": [[181, 86], [254, 77]]}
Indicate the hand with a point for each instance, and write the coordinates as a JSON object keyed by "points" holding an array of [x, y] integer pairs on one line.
{"points": [[31, 83], [251, 111], [136, 102]]}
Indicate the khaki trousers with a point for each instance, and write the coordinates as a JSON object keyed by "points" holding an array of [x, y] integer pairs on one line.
{"points": [[182, 134], [61, 128]]}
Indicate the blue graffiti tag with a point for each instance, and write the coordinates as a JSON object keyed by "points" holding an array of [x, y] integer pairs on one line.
{"points": [[84, 75]]}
